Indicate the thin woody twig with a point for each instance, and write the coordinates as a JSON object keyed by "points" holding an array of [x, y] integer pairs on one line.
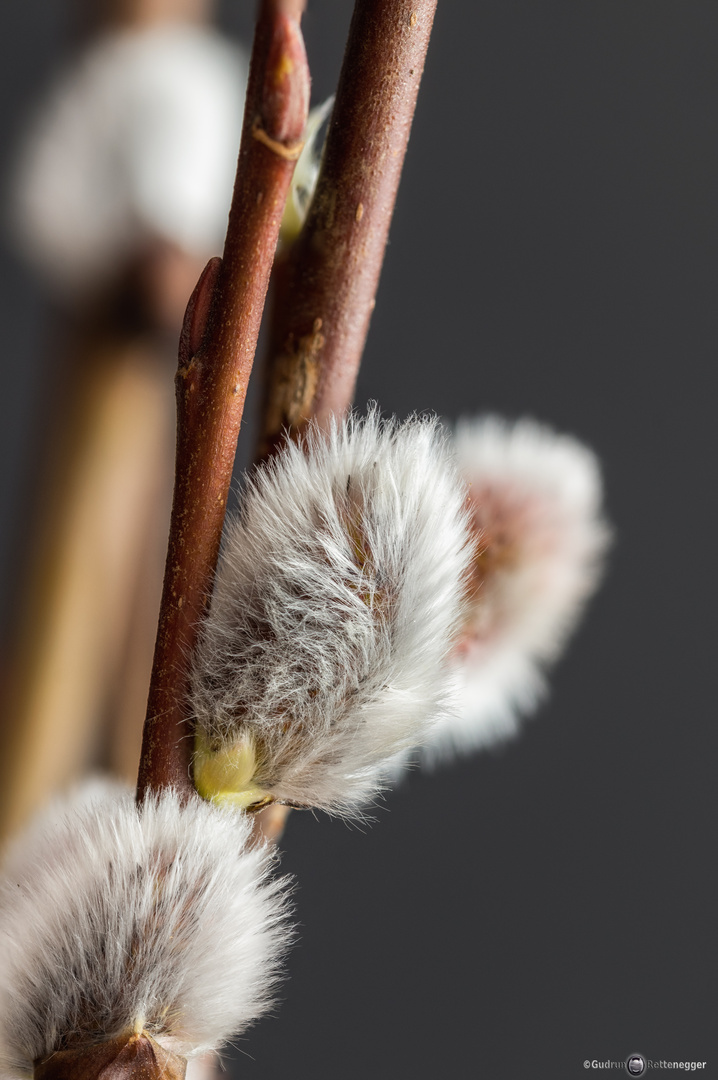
{"points": [[325, 288], [325, 292], [216, 353]]}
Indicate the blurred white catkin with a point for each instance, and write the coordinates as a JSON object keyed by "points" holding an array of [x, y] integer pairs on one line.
{"points": [[137, 140], [534, 497], [115, 918]]}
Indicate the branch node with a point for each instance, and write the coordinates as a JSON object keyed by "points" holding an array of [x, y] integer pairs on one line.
{"points": [[289, 153]]}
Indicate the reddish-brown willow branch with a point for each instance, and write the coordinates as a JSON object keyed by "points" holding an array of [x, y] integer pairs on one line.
{"points": [[327, 286], [216, 352]]}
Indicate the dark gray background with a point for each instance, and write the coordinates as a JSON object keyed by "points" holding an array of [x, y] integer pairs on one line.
{"points": [[553, 253]]}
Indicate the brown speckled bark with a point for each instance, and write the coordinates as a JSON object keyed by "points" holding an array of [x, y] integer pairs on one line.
{"points": [[216, 353], [325, 294]]}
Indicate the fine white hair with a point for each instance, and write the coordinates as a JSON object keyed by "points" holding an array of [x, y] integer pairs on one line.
{"points": [[337, 600], [115, 917], [535, 502], [138, 139]]}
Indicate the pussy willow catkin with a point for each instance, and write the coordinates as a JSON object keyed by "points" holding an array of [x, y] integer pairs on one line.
{"points": [[117, 918], [337, 602], [534, 498]]}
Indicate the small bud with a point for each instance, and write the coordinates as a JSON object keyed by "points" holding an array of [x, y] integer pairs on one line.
{"points": [[156, 925], [135, 1056], [534, 499], [337, 598]]}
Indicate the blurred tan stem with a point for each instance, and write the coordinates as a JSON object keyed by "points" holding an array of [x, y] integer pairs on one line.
{"points": [[143, 13], [76, 679], [100, 497]]}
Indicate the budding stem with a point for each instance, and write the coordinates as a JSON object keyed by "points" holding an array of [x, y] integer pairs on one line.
{"points": [[217, 349]]}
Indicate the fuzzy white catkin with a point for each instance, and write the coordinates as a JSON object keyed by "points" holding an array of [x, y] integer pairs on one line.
{"points": [[338, 595], [114, 917], [535, 498], [137, 140]]}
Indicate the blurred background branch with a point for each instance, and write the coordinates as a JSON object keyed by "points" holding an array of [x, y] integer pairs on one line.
{"points": [[115, 204]]}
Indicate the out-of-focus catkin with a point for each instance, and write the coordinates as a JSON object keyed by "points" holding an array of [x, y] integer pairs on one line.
{"points": [[534, 499], [159, 920]]}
